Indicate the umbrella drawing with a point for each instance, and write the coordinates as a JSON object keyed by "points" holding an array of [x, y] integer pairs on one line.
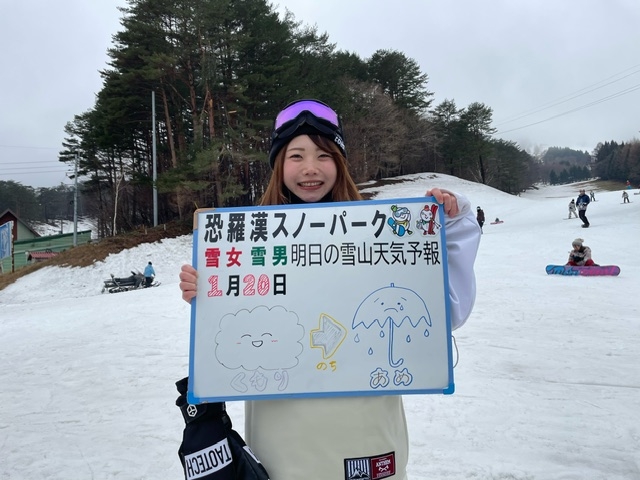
{"points": [[389, 307]]}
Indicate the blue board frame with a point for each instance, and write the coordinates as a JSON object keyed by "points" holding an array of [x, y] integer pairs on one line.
{"points": [[411, 227]]}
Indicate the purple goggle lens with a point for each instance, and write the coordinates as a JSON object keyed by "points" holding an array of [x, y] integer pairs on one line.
{"points": [[319, 109]]}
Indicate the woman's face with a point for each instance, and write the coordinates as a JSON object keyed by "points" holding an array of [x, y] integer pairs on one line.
{"points": [[308, 172]]}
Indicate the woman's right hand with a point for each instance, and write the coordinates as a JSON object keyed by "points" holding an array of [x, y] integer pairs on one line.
{"points": [[188, 286]]}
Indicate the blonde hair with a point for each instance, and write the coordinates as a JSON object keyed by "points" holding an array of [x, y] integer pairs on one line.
{"points": [[343, 190]]}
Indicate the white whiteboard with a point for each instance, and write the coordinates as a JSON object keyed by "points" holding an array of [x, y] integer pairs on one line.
{"points": [[320, 300]]}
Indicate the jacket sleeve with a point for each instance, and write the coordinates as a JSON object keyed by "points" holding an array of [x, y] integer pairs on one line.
{"points": [[462, 241]]}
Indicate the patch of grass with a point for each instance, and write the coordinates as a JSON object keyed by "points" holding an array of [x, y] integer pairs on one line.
{"points": [[373, 187], [605, 185]]}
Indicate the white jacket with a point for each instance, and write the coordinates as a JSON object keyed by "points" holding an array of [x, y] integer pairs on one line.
{"points": [[312, 439]]}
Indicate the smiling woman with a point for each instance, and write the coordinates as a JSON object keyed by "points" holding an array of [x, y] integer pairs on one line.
{"points": [[308, 157], [309, 171], [351, 436]]}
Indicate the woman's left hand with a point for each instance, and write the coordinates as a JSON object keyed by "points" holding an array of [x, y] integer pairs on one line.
{"points": [[447, 199]]}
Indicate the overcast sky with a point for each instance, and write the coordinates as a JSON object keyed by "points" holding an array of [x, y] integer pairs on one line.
{"points": [[563, 74]]}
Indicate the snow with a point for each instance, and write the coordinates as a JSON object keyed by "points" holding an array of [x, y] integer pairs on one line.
{"points": [[58, 227], [547, 382]]}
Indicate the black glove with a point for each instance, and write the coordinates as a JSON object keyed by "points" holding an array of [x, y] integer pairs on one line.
{"points": [[210, 448]]}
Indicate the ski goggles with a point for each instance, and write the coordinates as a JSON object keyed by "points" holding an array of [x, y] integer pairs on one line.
{"points": [[314, 107], [305, 117], [313, 113]]}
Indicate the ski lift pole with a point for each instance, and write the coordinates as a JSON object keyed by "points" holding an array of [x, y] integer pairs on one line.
{"points": [[154, 154], [75, 203]]}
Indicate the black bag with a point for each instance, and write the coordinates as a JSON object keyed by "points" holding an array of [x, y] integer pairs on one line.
{"points": [[210, 448]]}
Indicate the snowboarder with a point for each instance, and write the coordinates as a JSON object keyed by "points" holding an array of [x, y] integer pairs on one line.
{"points": [[625, 197], [572, 208], [149, 273], [480, 217], [592, 195], [400, 220], [580, 256], [582, 201]]}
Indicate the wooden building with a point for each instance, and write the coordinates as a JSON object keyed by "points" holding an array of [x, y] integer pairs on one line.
{"points": [[30, 247]]}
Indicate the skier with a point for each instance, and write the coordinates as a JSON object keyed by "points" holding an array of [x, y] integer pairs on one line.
{"points": [[149, 273], [572, 208], [582, 201], [580, 256], [592, 195], [625, 197], [480, 217]]}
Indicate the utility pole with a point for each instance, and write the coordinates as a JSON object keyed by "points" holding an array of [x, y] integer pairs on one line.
{"points": [[153, 149], [75, 203]]}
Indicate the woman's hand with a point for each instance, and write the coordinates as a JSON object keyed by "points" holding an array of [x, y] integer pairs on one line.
{"points": [[188, 277], [446, 198]]}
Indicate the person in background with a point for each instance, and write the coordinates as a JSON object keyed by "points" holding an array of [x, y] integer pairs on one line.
{"points": [[572, 208], [625, 197], [580, 256], [582, 202], [480, 217], [149, 273], [592, 196], [330, 438]]}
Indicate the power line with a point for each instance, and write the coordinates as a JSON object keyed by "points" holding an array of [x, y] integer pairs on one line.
{"points": [[32, 173], [582, 107], [32, 169], [28, 147], [566, 98], [26, 161]]}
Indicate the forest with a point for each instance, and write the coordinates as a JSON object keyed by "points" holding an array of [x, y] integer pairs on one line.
{"points": [[218, 72]]}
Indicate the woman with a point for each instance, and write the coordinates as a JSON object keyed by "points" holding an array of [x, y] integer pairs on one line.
{"points": [[327, 438], [580, 256]]}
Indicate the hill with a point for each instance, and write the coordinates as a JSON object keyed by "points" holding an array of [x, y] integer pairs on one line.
{"points": [[85, 255], [546, 372]]}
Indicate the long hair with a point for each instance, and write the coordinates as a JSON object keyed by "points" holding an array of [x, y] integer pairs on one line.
{"points": [[343, 190]]}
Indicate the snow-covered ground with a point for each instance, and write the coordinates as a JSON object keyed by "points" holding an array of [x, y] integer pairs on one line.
{"points": [[547, 384], [66, 226]]}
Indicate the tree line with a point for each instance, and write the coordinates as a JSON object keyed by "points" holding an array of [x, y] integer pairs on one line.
{"points": [[33, 205], [220, 70], [618, 161], [565, 165]]}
